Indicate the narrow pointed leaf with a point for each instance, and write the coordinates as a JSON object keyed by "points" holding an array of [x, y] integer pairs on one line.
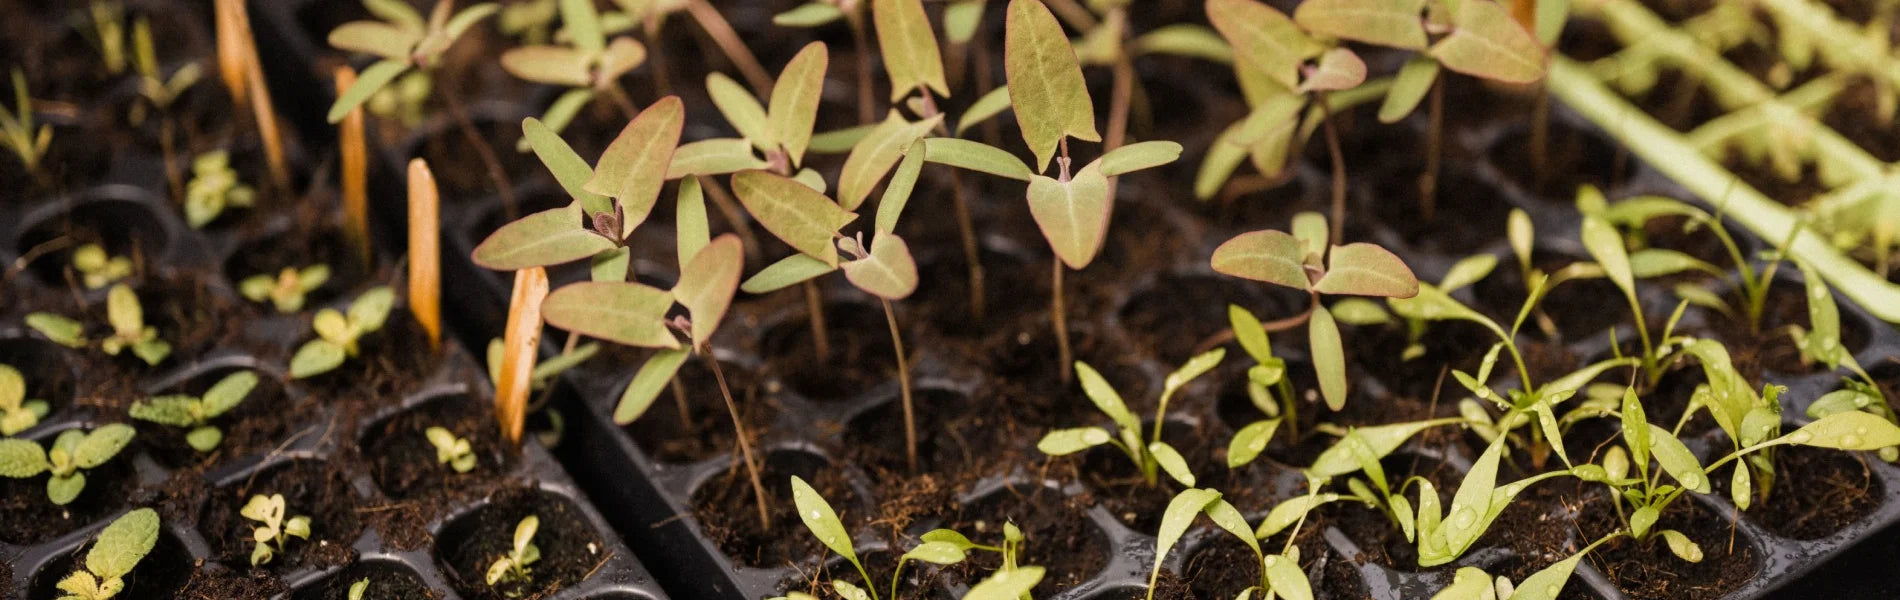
{"points": [[634, 166], [1045, 81], [567, 167], [790, 271], [1677, 460], [909, 47], [1329, 357], [876, 154], [707, 284], [741, 110], [897, 192], [1853, 430], [1171, 462], [821, 519], [985, 107], [1395, 23], [692, 231], [805, 219], [1138, 156], [553, 65], [1063, 442], [620, 312], [810, 14], [975, 156], [717, 156], [373, 37], [549, 237], [367, 84], [1409, 87], [647, 384], [794, 106]]}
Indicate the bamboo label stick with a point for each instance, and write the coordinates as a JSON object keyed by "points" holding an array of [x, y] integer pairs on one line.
{"points": [[425, 252], [520, 345], [355, 157]]}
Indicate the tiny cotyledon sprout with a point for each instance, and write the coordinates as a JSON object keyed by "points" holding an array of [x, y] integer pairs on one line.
{"points": [[184, 410], [938, 547], [359, 589], [450, 450], [274, 530], [287, 290], [523, 552], [72, 454], [17, 413], [118, 550], [214, 187], [129, 330], [98, 269], [338, 333], [1153, 455]]}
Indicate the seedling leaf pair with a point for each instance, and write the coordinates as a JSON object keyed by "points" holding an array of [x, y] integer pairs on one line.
{"points": [[72, 453], [117, 550], [403, 40], [287, 290], [275, 526], [521, 553], [338, 333], [196, 413], [17, 413], [1148, 457]]}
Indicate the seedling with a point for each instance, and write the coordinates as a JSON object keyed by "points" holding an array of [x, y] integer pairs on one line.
{"points": [[1822, 344], [287, 290], [938, 547], [1280, 574], [17, 413], [404, 41], [1265, 380], [98, 269], [514, 566], [27, 142], [274, 530], [117, 551], [1634, 213], [450, 450], [72, 454], [1472, 583], [214, 187], [182, 410], [588, 65], [128, 328], [1149, 457], [358, 589], [159, 91], [545, 370], [1301, 261], [339, 332], [106, 31]]}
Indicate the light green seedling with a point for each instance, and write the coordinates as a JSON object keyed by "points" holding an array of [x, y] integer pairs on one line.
{"points": [[128, 328], [404, 41], [587, 64], [1280, 574], [118, 550], [1472, 583], [287, 290], [1150, 457], [183, 410], [72, 454], [17, 413], [514, 566], [98, 269], [338, 333], [938, 547], [359, 589], [450, 450], [1265, 380], [214, 187], [159, 91], [17, 130], [274, 530]]}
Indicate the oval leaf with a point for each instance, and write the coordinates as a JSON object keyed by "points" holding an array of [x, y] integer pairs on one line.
{"points": [[805, 219], [904, 37], [706, 286], [634, 166], [1268, 255], [794, 106], [1329, 357], [621, 312], [1395, 23], [647, 384], [1073, 215], [888, 273], [975, 156], [1045, 81], [821, 520], [1363, 269], [874, 156], [546, 238], [1486, 42], [1138, 156]]}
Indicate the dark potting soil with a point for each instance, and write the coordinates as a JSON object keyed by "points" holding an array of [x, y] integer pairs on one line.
{"points": [[860, 353], [1771, 348], [256, 426], [314, 488], [390, 362], [570, 549], [1174, 316], [919, 579], [161, 574], [955, 436], [728, 508], [28, 517], [386, 581], [707, 429], [298, 248], [1224, 567], [1057, 532], [1574, 157], [1647, 570], [1816, 492], [403, 461], [1576, 307]]}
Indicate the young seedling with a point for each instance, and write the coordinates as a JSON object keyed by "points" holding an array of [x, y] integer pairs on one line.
{"points": [[160, 93], [937, 547], [1301, 261], [287, 290], [196, 413], [1822, 343], [116, 552], [544, 370], [338, 333], [214, 187], [98, 269], [274, 530], [72, 454], [359, 589], [588, 65], [1268, 388], [1635, 212], [451, 450], [404, 41], [514, 566], [129, 330], [28, 143], [17, 413], [1472, 583], [1148, 457], [105, 29], [1280, 574]]}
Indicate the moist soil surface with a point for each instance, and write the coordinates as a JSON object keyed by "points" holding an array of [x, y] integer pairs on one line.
{"points": [[570, 550]]}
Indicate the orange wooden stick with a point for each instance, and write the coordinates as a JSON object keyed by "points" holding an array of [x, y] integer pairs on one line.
{"points": [[520, 347], [229, 14], [355, 171], [425, 253]]}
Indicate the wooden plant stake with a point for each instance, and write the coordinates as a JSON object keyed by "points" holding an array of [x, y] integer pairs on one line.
{"points": [[243, 77], [355, 177], [521, 344], [425, 252]]}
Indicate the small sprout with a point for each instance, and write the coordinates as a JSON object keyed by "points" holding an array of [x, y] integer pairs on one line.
{"points": [[106, 32], [1149, 457], [273, 531], [546, 369], [16, 128], [72, 453], [129, 329], [287, 289], [338, 333], [358, 589], [118, 550], [98, 269], [180, 410], [159, 91], [450, 450], [17, 413], [214, 187], [514, 566]]}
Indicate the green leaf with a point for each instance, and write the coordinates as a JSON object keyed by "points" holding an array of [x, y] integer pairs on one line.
{"points": [[1338, 69], [1250, 333], [315, 357], [975, 156], [582, 24], [1466, 518], [123, 544], [741, 109], [1171, 462], [1270, 256], [821, 520], [1681, 545], [567, 167], [1395, 23], [1329, 357], [794, 106], [1433, 304], [373, 37], [1658, 262], [553, 65], [228, 392], [1642, 518], [1606, 247], [1138, 156], [64, 490], [1062, 442], [1409, 87], [369, 310], [620, 312], [985, 107], [692, 230], [1486, 42], [1680, 462], [1845, 431], [20, 459], [204, 439], [123, 310], [805, 219], [961, 18], [838, 141], [647, 384], [611, 265], [717, 156], [546, 238], [909, 47], [1105, 398], [1185, 39], [1469, 583], [57, 329], [790, 271], [1635, 434], [876, 154], [1264, 39], [367, 84], [1548, 582], [1286, 578], [1046, 88], [1290, 511], [898, 191], [1006, 585], [1175, 521], [936, 553], [1250, 441], [707, 284], [1380, 441], [1072, 215], [807, 15], [397, 12], [1363, 269], [634, 166], [888, 272], [1822, 340]]}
